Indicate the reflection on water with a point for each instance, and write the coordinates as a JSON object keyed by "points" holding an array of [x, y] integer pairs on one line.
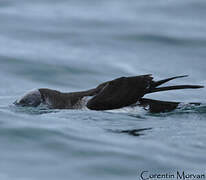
{"points": [[132, 132]]}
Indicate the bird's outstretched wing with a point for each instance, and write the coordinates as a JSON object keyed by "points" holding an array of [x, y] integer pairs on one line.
{"points": [[126, 91], [157, 106], [120, 92]]}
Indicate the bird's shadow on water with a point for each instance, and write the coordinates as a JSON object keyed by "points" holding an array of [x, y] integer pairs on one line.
{"points": [[131, 132], [184, 110]]}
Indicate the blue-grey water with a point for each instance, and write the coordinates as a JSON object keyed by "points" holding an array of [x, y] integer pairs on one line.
{"points": [[72, 45]]}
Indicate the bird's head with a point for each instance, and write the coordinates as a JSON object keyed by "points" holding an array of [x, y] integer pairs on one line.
{"points": [[32, 98]]}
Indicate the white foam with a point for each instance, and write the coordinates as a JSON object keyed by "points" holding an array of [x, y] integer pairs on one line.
{"points": [[128, 110]]}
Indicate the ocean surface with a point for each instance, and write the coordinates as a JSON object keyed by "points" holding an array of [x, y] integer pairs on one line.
{"points": [[73, 45]]}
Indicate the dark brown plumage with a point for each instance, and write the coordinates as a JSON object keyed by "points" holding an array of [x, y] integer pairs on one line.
{"points": [[118, 93], [126, 91]]}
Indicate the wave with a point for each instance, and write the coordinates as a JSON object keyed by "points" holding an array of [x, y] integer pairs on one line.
{"points": [[136, 111], [163, 39]]}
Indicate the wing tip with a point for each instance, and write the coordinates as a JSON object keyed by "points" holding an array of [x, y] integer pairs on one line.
{"points": [[182, 76]]}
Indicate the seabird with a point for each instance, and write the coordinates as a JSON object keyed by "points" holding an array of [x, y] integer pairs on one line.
{"points": [[114, 94]]}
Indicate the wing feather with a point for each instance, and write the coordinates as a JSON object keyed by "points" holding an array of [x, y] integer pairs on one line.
{"points": [[120, 92]]}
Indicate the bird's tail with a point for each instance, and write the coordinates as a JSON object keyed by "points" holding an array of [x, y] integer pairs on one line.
{"points": [[155, 88]]}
